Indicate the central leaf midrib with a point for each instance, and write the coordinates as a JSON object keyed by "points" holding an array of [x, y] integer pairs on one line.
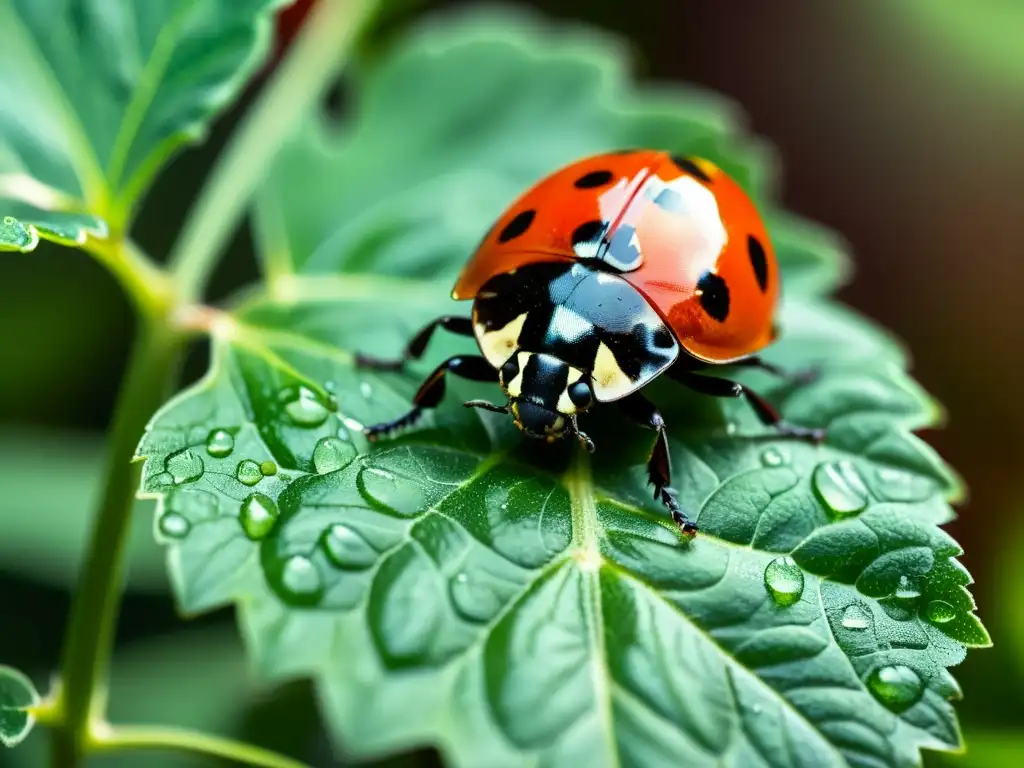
{"points": [[144, 92], [585, 549]]}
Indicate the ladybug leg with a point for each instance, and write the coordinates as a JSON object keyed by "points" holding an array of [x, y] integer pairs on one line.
{"points": [[793, 377], [414, 350], [659, 466], [766, 412], [431, 391]]}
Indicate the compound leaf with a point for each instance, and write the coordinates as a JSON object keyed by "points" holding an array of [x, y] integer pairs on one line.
{"points": [[518, 604], [98, 94]]}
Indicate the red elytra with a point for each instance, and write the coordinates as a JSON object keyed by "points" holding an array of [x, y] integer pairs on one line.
{"points": [[693, 244]]}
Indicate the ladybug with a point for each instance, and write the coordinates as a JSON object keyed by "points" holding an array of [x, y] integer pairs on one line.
{"points": [[604, 275]]}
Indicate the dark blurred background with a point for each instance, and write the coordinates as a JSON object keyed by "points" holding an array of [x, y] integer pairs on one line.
{"points": [[899, 124]]}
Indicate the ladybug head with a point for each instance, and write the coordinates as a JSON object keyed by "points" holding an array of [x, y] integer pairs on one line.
{"points": [[542, 401], [537, 421]]}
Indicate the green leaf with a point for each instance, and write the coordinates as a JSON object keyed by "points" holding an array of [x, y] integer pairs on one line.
{"points": [[87, 123], [47, 523], [15, 236], [17, 696], [521, 605]]}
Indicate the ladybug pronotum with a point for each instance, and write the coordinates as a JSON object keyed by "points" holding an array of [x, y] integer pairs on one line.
{"points": [[601, 277]]}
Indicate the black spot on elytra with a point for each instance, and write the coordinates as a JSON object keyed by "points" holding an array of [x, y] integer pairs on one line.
{"points": [[686, 165], [758, 261], [714, 296], [593, 179], [588, 232], [662, 338], [517, 226]]}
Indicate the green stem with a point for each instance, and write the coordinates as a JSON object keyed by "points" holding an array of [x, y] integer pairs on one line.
{"points": [[151, 737], [89, 638], [317, 57]]}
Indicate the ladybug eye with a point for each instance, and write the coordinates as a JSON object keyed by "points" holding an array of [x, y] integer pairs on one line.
{"points": [[510, 369], [580, 394]]}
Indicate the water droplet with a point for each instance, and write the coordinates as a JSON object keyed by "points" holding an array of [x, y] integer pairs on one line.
{"points": [[382, 489], [301, 579], [220, 443], [258, 516], [304, 407], [248, 472], [784, 580], [730, 428], [906, 590], [268, 469], [856, 617], [896, 610], [330, 386], [897, 485], [185, 466], [332, 454], [366, 390], [174, 525], [840, 488], [939, 612], [771, 457], [473, 599], [348, 549], [898, 687]]}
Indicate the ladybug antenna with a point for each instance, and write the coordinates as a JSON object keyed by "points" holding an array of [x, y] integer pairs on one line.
{"points": [[584, 439], [486, 406]]}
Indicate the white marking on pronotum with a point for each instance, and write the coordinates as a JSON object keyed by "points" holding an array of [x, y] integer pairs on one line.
{"points": [[568, 326], [610, 381], [499, 344]]}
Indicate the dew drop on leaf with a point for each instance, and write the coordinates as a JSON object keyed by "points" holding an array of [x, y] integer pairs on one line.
{"points": [[220, 443], [896, 485], [939, 612], [784, 580], [304, 407], [840, 488], [366, 390], [248, 472], [772, 457], [384, 490], [906, 590], [473, 600], [258, 515], [300, 578], [347, 548], [332, 454], [856, 617], [898, 687], [268, 469], [185, 466], [174, 525]]}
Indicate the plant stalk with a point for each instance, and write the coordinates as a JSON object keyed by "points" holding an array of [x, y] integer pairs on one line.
{"points": [[89, 638], [139, 737], [317, 56]]}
